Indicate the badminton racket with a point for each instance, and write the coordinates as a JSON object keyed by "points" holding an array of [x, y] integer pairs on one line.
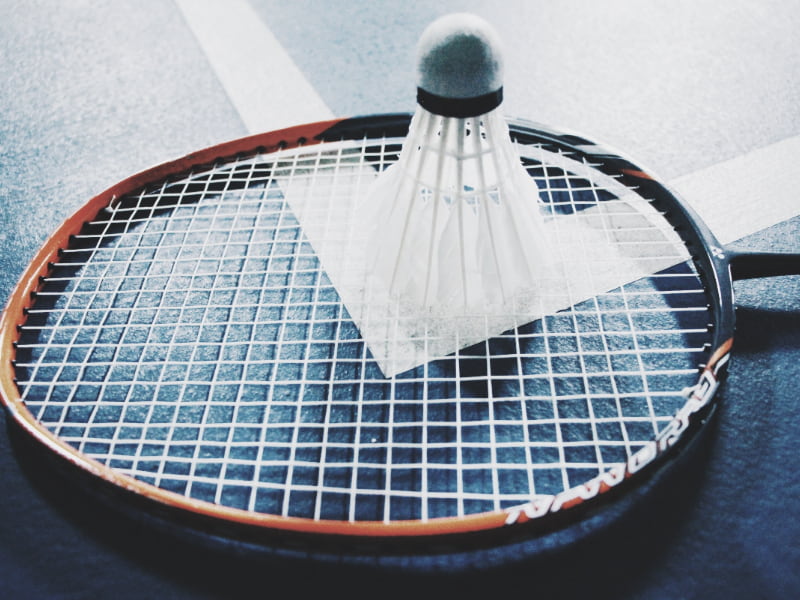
{"points": [[178, 342]]}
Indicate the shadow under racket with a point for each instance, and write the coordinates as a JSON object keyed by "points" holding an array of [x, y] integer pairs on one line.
{"points": [[571, 560]]}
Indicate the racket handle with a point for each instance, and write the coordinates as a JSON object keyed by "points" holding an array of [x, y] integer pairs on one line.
{"points": [[748, 265]]}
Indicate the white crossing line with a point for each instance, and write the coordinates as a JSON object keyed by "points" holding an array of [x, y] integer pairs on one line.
{"points": [[746, 194]]}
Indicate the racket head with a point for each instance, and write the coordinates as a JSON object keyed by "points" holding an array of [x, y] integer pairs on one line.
{"points": [[415, 417]]}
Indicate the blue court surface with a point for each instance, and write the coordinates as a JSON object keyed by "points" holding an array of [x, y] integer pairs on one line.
{"points": [[705, 94]]}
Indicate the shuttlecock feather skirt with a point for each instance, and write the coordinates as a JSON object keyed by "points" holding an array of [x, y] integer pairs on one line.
{"points": [[456, 222]]}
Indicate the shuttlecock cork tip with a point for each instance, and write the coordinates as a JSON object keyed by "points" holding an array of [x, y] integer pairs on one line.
{"points": [[459, 66]]}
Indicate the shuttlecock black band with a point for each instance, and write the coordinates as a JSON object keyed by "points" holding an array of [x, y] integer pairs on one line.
{"points": [[459, 107]]}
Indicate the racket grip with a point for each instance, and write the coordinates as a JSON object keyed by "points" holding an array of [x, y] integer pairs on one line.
{"points": [[749, 265]]}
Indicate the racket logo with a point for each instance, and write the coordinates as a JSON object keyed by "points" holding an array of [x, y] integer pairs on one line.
{"points": [[543, 505], [701, 393], [697, 396]]}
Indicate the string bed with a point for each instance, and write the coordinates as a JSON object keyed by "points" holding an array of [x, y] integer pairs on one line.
{"points": [[190, 338]]}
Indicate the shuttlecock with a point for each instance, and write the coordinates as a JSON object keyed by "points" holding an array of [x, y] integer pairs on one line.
{"points": [[457, 224], [451, 246]]}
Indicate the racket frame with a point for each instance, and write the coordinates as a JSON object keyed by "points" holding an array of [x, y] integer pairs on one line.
{"points": [[712, 261]]}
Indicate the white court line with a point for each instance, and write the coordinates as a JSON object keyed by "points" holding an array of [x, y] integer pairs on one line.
{"points": [[745, 194], [261, 79], [735, 198]]}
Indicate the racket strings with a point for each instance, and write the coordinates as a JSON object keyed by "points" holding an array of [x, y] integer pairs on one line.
{"points": [[190, 338]]}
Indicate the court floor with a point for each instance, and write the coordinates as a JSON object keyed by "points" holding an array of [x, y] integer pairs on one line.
{"points": [[706, 94]]}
